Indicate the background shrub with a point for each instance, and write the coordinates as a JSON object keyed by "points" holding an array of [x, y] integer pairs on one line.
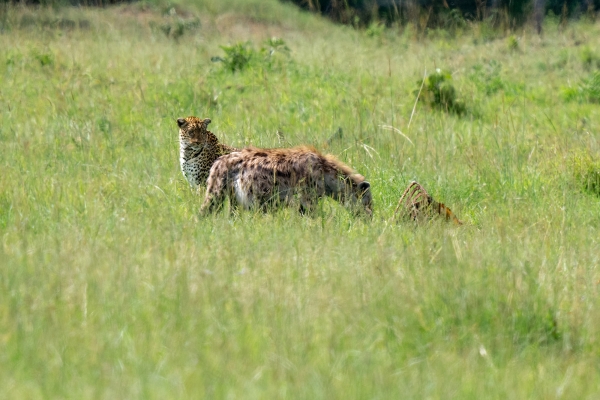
{"points": [[439, 92], [586, 172]]}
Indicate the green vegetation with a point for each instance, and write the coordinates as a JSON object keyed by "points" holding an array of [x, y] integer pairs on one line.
{"points": [[241, 55], [111, 286], [587, 90], [586, 171], [438, 92]]}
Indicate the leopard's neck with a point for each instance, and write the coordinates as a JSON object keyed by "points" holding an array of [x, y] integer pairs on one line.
{"points": [[187, 151]]}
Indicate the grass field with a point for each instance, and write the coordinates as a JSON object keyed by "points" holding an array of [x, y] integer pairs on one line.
{"points": [[111, 286]]}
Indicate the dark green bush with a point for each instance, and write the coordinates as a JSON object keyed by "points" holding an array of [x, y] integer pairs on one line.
{"points": [[438, 92]]}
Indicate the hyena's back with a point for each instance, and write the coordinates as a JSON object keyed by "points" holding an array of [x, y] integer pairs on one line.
{"points": [[262, 176]]}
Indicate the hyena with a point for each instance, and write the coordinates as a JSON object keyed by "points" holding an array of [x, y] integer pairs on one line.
{"points": [[258, 178]]}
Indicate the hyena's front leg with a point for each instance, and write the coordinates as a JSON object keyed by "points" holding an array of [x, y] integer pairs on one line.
{"points": [[216, 186], [307, 202]]}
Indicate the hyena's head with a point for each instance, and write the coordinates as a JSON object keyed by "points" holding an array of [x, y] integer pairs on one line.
{"points": [[360, 194]]}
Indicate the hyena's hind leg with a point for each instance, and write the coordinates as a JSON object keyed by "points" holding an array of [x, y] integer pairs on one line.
{"points": [[216, 188]]}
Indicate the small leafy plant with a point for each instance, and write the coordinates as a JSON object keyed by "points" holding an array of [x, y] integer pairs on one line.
{"points": [[240, 55], [275, 45], [177, 28], [586, 172], [487, 77], [452, 21], [274, 52], [45, 59], [439, 92], [591, 87], [588, 90], [589, 59], [512, 43], [175, 24], [375, 29], [237, 57]]}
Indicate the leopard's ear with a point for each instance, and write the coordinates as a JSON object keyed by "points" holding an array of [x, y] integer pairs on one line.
{"points": [[180, 122], [205, 122]]}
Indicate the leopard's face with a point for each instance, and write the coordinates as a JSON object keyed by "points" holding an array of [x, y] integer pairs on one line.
{"points": [[193, 130], [198, 149]]}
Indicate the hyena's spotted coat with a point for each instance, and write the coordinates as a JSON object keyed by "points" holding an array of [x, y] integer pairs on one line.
{"points": [[254, 177]]}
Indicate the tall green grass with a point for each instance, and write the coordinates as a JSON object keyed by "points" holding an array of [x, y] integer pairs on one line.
{"points": [[111, 286]]}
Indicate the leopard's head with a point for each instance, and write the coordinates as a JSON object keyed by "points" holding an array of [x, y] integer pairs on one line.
{"points": [[193, 130]]}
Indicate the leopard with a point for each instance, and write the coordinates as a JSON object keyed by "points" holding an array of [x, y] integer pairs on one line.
{"points": [[198, 149], [297, 176]]}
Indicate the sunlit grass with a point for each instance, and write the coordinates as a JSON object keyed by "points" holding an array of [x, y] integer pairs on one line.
{"points": [[111, 286]]}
